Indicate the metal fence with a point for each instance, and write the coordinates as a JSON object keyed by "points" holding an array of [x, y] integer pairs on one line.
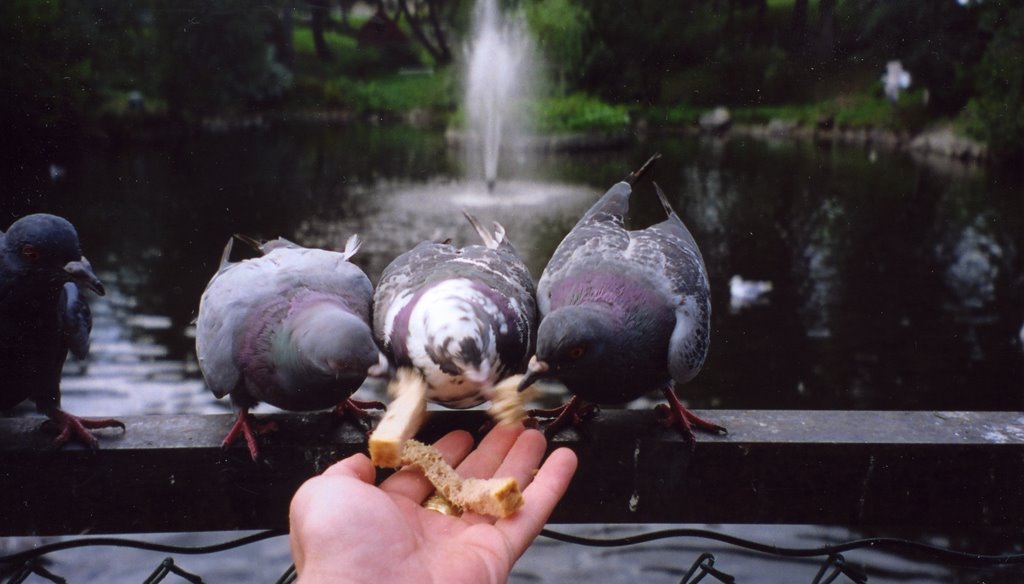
{"points": [[18, 567]]}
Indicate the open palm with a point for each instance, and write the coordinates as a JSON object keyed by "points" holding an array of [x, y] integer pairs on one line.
{"points": [[345, 529]]}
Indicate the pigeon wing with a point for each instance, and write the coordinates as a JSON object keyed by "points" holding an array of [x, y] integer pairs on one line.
{"points": [[598, 237], [681, 275], [76, 320]]}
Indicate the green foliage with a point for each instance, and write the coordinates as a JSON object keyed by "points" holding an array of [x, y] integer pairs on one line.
{"points": [[217, 56], [940, 43], [559, 27], [394, 94], [997, 113], [577, 113]]}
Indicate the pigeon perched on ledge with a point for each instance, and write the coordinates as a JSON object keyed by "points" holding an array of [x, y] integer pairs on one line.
{"points": [[465, 318], [623, 312], [43, 314], [290, 328]]}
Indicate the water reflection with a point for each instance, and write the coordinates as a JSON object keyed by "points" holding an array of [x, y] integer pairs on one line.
{"points": [[894, 286]]}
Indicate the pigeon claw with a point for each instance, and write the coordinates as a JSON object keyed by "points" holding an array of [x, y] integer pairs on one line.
{"points": [[244, 427], [71, 427], [356, 409], [572, 414], [675, 414]]}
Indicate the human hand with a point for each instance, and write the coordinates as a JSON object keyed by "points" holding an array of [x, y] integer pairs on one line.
{"points": [[345, 529]]}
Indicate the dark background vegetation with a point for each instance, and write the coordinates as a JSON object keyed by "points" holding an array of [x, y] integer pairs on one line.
{"points": [[71, 67]]}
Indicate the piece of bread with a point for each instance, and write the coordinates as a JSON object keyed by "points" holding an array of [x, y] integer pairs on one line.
{"points": [[499, 497], [508, 404], [391, 446], [403, 419]]}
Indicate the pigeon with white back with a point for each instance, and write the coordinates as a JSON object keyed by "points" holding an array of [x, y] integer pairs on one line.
{"points": [[623, 312], [43, 315], [290, 328], [465, 318]]}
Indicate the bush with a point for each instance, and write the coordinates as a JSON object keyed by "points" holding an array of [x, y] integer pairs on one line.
{"points": [[997, 112], [576, 113]]}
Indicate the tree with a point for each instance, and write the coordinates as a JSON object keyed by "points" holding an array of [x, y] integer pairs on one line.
{"points": [[216, 56], [999, 105], [319, 11], [425, 19], [560, 27]]}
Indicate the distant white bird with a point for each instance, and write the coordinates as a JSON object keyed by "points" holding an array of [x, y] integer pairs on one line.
{"points": [[895, 79], [56, 172], [746, 293]]}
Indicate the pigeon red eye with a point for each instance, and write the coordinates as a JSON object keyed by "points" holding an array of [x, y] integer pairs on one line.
{"points": [[30, 253], [576, 352]]}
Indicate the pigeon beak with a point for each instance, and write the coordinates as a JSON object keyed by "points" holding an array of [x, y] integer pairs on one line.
{"points": [[537, 369], [382, 369], [81, 273]]}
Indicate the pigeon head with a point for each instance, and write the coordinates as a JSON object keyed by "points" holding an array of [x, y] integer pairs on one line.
{"points": [[574, 345], [47, 246], [333, 342]]}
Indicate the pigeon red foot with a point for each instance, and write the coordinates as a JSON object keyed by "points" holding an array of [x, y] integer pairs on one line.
{"points": [[246, 426], [357, 408], [571, 414], [674, 413], [70, 427]]}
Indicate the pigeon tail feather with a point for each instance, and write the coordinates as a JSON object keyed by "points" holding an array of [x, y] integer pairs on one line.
{"points": [[637, 174], [352, 246], [491, 241]]}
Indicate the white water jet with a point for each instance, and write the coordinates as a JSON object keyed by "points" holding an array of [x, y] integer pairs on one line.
{"points": [[498, 81]]}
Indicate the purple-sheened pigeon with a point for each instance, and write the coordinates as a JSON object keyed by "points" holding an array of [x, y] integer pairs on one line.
{"points": [[290, 328], [465, 318], [42, 315], [623, 312]]}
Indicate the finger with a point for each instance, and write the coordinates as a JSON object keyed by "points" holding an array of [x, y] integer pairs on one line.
{"points": [[520, 463], [410, 483], [482, 462], [540, 499], [357, 466]]}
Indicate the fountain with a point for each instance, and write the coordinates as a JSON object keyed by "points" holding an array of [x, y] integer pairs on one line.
{"points": [[499, 75], [498, 81]]}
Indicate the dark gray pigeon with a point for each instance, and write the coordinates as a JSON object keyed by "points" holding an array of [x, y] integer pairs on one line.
{"points": [[290, 328], [43, 314], [465, 318], [623, 312]]}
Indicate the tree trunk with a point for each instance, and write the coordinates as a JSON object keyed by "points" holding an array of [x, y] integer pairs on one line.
{"points": [[439, 36], [826, 30], [438, 48], [318, 10], [281, 31], [799, 25]]}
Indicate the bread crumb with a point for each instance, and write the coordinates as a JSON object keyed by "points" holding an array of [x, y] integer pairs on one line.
{"points": [[508, 404]]}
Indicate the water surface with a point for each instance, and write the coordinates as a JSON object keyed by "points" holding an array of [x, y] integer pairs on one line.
{"points": [[896, 284]]}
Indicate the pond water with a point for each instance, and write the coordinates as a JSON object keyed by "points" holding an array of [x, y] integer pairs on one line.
{"points": [[896, 284]]}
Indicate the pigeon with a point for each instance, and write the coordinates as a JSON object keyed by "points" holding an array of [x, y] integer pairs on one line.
{"points": [[290, 328], [623, 312], [43, 314], [747, 293], [465, 318]]}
